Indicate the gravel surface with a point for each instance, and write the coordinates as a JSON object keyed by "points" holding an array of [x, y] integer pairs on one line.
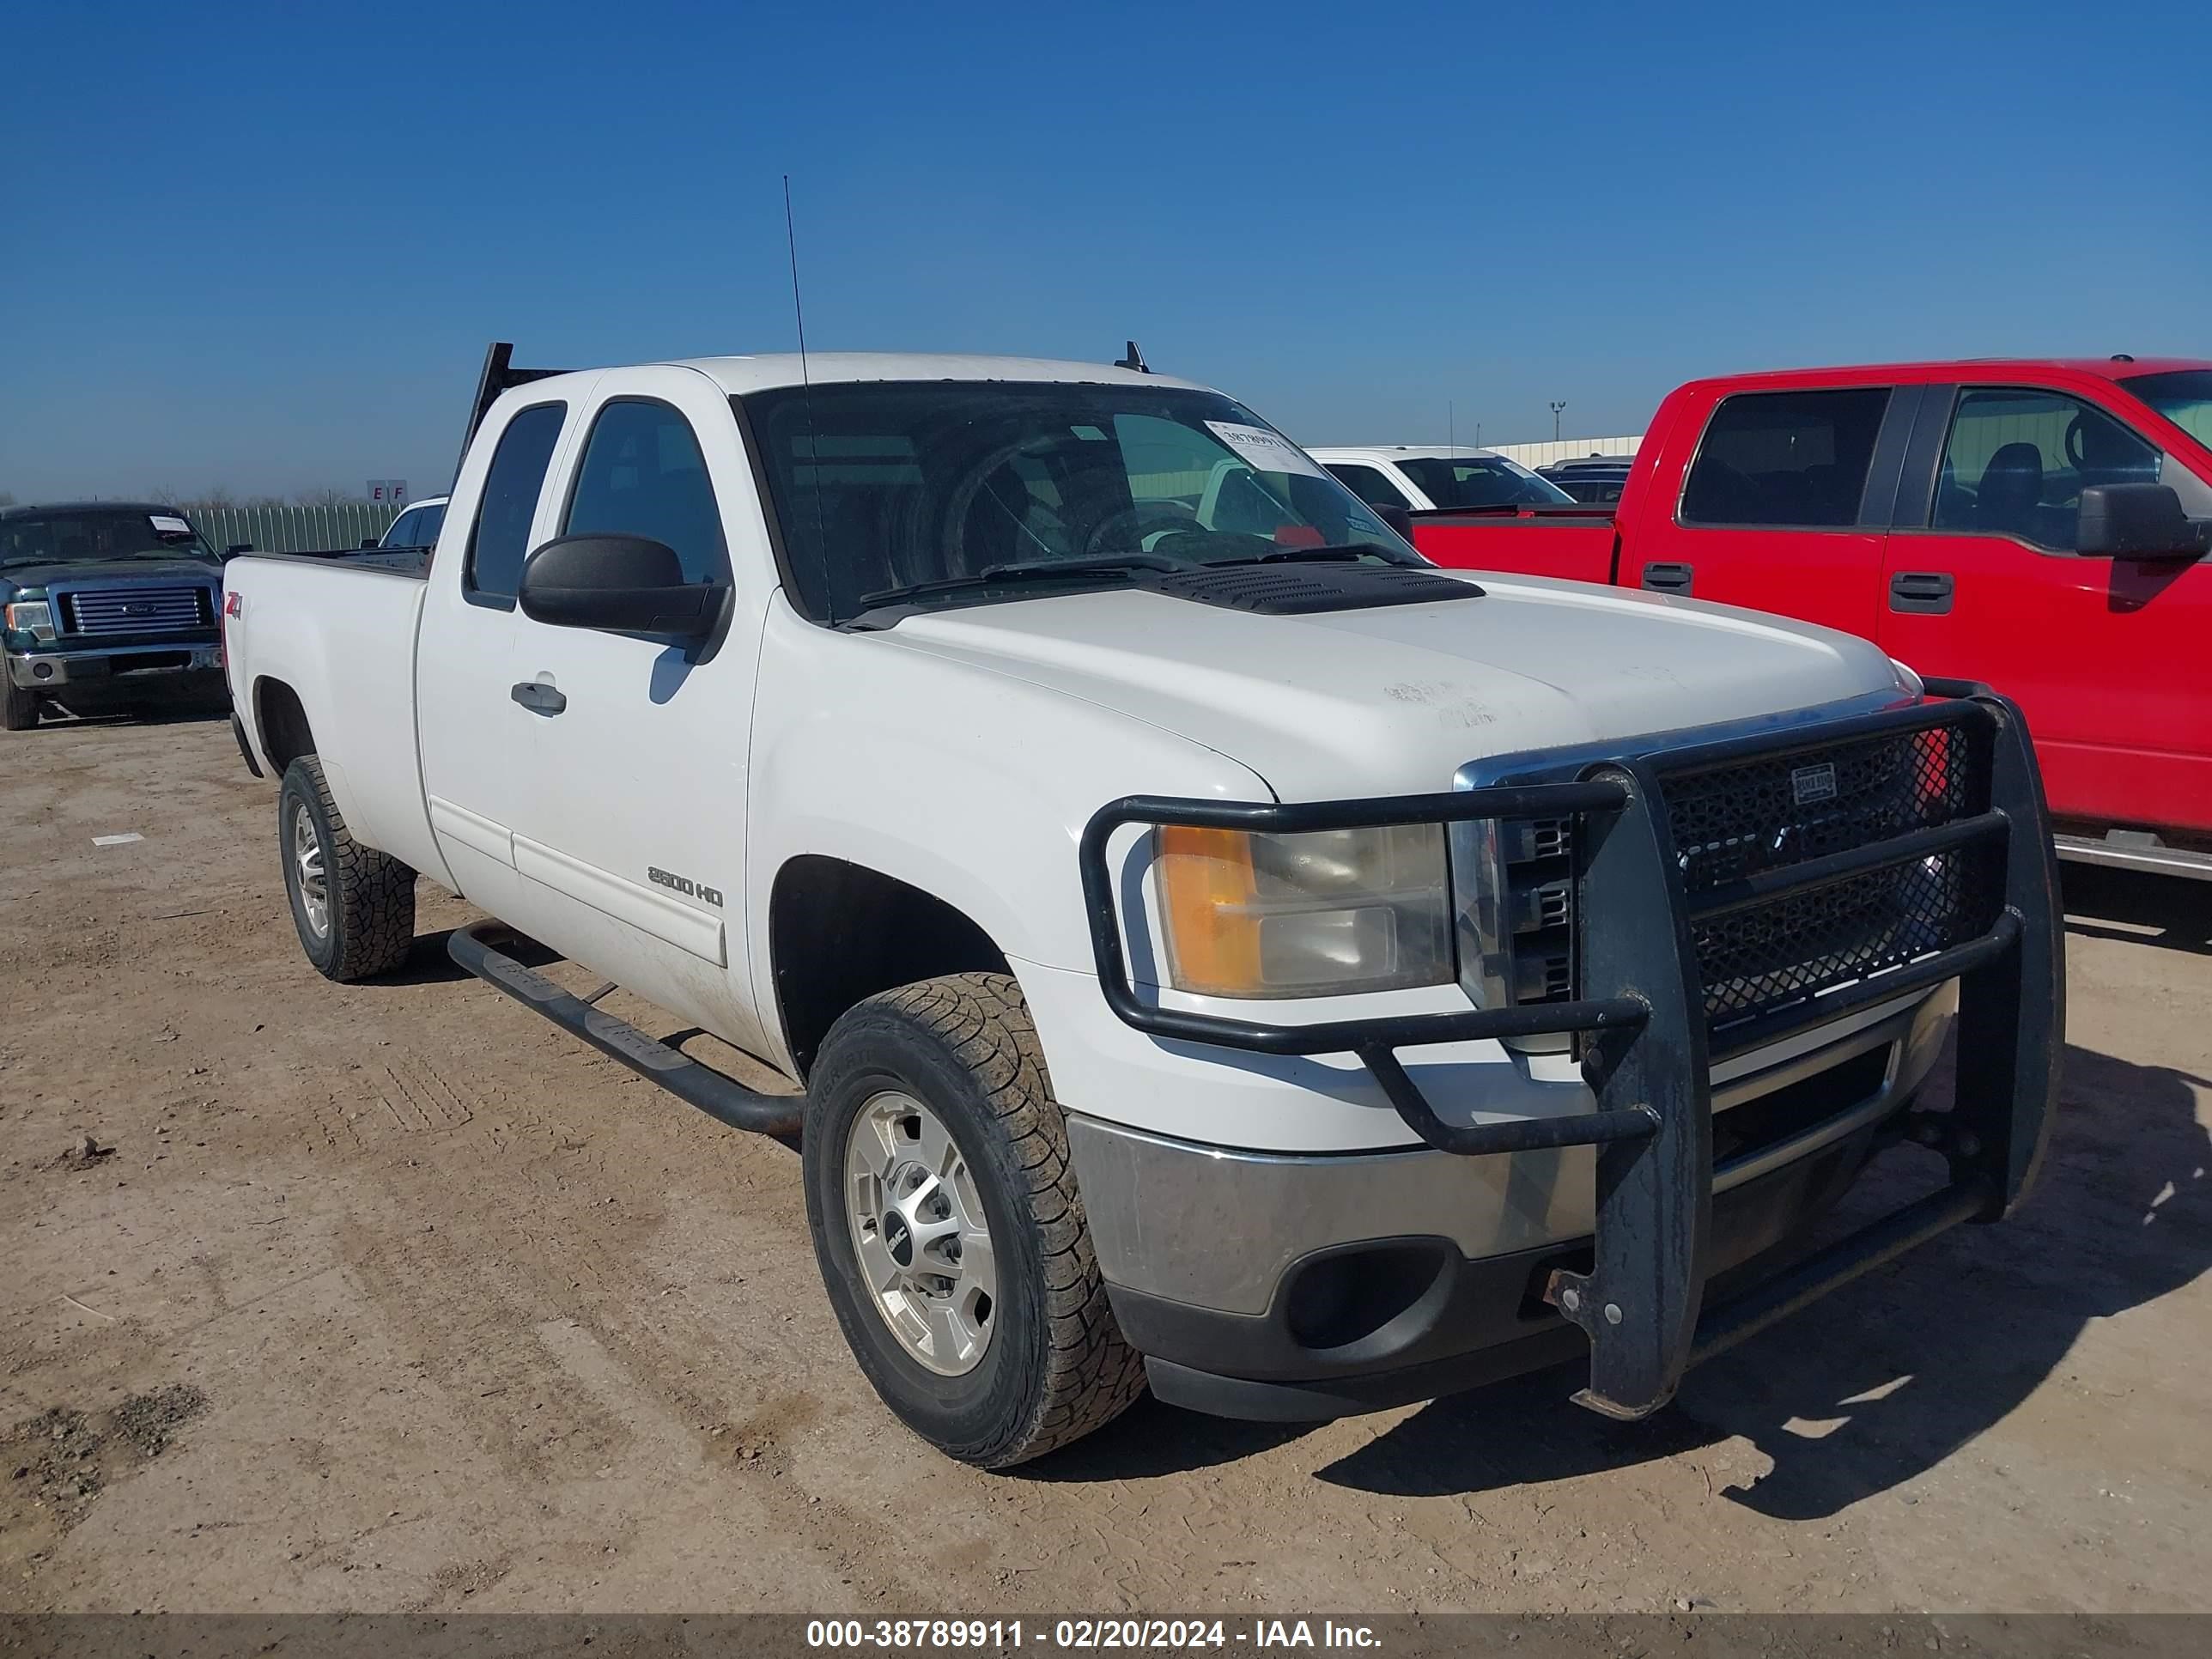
{"points": [[390, 1296]]}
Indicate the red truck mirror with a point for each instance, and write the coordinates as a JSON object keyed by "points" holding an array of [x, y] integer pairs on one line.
{"points": [[2140, 521]]}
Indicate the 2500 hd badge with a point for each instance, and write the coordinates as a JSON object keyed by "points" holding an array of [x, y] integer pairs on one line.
{"points": [[686, 885]]}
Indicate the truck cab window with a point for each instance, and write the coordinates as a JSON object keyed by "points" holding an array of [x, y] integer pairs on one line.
{"points": [[1785, 459], [1368, 484], [642, 475], [1465, 481], [2017, 459], [500, 539]]}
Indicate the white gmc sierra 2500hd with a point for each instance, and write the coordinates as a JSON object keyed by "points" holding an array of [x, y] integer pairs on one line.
{"points": [[1219, 947]]}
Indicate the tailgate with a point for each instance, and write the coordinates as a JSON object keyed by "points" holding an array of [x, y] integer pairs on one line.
{"points": [[1573, 543]]}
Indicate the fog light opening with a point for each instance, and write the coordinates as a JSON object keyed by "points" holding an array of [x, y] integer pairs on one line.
{"points": [[1349, 1298]]}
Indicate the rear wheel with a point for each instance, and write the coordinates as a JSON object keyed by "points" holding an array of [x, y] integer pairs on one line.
{"points": [[354, 907], [949, 1229], [21, 712]]}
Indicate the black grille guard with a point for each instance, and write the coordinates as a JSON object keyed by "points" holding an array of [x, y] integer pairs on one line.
{"points": [[1642, 1031]]}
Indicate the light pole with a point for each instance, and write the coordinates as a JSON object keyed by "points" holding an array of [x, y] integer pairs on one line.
{"points": [[1556, 408]]}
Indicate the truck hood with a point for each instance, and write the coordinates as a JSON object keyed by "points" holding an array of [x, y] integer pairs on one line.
{"points": [[74, 572], [1395, 699]]}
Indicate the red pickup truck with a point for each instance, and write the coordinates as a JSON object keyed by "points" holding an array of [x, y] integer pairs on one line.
{"points": [[2043, 526]]}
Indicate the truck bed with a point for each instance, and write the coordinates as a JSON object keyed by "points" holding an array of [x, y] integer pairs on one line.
{"points": [[414, 561], [1577, 542], [341, 630]]}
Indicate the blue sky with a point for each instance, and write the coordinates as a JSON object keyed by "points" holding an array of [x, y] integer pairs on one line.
{"points": [[263, 246]]}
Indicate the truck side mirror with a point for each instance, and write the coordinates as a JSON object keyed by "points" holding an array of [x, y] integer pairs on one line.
{"points": [[625, 584], [237, 548], [2140, 521]]}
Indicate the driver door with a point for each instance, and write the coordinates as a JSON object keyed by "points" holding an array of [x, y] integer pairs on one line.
{"points": [[2104, 655], [633, 757]]}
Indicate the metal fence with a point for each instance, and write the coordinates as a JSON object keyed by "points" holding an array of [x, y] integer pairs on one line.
{"points": [[292, 529], [1567, 449]]}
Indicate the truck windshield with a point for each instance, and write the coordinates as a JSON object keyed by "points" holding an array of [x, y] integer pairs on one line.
{"points": [[934, 490], [1481, 481], [85, 535], [2184, 397]]}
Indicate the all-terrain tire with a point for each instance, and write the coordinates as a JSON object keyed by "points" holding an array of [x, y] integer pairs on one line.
{"points": [[368, 909], [20, 712], [1055, 1366]]}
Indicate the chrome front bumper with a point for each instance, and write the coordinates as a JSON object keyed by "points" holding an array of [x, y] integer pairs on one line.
{"points": [[46, 671], [1219, 1229]]}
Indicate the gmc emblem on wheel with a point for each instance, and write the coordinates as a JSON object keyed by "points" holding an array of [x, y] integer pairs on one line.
{"points": [[1811, 783], [686, 885]]}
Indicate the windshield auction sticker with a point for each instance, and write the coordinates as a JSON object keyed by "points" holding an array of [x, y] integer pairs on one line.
{"points": [[164, 524], [1264, 451]]}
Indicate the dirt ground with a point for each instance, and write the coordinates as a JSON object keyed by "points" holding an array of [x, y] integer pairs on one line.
{"points": [[392, 1296]]}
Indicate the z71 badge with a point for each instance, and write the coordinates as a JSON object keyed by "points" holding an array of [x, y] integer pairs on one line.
{"points": [[686, 886]]}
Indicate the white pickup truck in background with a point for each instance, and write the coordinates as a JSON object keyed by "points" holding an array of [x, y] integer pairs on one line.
{"points": [[1217, 946]]}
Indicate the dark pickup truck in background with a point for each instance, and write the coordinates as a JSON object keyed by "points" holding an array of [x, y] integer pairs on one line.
{"points": [[1594, 480], [2045, 527], [110, 607]]}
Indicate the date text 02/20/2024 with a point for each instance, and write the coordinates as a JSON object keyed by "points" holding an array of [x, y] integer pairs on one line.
{"points": [[894, 1635]]}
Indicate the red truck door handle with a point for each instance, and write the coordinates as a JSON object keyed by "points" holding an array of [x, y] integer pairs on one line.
{"points": [[1921, 592], [1667, 578]]}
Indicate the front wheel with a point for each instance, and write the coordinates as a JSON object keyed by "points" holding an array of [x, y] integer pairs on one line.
{"points": [[948, 1226], [354, 907], [21, 712]]}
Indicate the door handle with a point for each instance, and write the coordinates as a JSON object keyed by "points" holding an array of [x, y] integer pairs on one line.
{"points": [[1667, 578], [1921, 592], [538, 697]]}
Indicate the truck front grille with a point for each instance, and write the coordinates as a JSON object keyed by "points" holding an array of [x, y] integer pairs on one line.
{"points": [[1747, 816], [137, 610]]}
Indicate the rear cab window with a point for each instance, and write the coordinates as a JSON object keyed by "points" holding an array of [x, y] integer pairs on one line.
{"points": [[499, 540], [1370, 483], [1794, 460], [1470, 481], [406, 530]]}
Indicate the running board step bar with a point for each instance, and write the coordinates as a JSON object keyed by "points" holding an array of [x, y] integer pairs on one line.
{"points": [[722, 1098], [2147, 853]]}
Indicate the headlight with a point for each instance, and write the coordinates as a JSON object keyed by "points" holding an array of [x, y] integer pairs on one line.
{"points": [[1517, 929], [32, 617], [1320, 913]]}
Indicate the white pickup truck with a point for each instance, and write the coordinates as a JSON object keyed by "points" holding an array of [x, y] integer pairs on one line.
{"points": [[1219, 948]]}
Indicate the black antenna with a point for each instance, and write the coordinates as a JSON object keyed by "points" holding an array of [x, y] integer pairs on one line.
{"points": [[806, 393], [1135, 360]]}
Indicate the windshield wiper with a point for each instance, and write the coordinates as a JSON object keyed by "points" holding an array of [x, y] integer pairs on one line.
{"points": [[1025, 571], [1337, 553]]}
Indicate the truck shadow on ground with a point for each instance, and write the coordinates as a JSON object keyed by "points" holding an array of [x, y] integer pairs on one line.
{"points": [[1890, 1375], [2138, 909], [428, 963], [1859, 1392], [186, 716]]}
